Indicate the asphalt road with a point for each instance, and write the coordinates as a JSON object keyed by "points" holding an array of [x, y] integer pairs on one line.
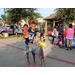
{"points": [[13, 54]]}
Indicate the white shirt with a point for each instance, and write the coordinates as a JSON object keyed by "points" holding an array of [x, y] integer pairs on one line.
{"points": [[56, 32]]}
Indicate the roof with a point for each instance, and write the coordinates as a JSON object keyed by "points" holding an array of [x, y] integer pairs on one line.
{"points": [[52, 16]]}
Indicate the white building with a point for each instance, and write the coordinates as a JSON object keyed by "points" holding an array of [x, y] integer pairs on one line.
{"points": [[39, 19]]}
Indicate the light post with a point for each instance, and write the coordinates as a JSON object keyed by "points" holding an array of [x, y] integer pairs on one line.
{"points": [[4, 17]]}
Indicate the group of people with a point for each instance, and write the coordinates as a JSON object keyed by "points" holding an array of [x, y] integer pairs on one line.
{"points": [[67, 35], [29, 35]]}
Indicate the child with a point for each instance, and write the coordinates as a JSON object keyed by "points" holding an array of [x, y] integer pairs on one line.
{"points": [[61, 40], [25, 32], [16, 30], [42, 46]]}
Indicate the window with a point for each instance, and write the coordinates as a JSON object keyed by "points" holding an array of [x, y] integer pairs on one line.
{"points": [[7, 27]]}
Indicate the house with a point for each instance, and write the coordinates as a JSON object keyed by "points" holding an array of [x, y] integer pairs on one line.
{"points": [[40, 19], [51, 20]]}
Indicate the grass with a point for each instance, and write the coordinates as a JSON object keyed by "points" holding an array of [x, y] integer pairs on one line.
{"points": [[11, 36]]}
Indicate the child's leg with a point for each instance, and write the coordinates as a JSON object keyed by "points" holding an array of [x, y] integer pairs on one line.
{"points": [[43, 62], [61, 46], [40, 62]]}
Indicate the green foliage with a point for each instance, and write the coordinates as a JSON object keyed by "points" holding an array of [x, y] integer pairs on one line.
{"points": [[43, 24], [67, 14], [1, 24], [8, 22], [16, 14], [3, 17], [0, 18]]}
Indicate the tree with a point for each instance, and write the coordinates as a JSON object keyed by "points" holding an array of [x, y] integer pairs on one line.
{"points": [[67, 14], [8, 22], [3, 17], [32, 15], [1, 24], [16, 14]]}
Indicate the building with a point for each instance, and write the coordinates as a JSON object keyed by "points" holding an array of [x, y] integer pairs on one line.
{"points": [[51, 20], [40, 20]]}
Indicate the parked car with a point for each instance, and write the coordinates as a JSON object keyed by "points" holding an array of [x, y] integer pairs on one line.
{"points": [[9, 29]]}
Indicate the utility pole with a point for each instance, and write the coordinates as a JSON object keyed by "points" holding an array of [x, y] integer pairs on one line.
{"points": [[4, 17]]}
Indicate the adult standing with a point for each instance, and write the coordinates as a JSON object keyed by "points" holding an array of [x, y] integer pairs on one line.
{"points": [[58, 26], [69, 36], [42, 30], [55, 34], [19, 26], [60, 29], [32, 33]]}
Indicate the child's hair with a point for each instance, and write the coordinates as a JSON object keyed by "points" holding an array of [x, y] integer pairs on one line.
{"points": [[70, 25], [41, 36], [33, 22], [25, 25]]}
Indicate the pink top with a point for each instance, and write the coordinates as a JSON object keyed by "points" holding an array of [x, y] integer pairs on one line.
{"points": [[70, 33]]}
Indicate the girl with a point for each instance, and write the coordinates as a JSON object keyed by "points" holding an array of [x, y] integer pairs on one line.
{"points": [[32, 34], [42, 46], [55, 35]]}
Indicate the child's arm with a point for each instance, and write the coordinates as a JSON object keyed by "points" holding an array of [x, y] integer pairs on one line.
{"points": [[41, 45]]}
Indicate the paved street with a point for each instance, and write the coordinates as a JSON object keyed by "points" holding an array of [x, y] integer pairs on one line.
{"points": [[13, 54]]}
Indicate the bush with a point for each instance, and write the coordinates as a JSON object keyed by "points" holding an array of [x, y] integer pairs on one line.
{"points": [[1, 24]]}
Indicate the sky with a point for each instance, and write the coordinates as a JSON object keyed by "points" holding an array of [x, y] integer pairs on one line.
{"points": [[46, 11], [43, 11]]}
